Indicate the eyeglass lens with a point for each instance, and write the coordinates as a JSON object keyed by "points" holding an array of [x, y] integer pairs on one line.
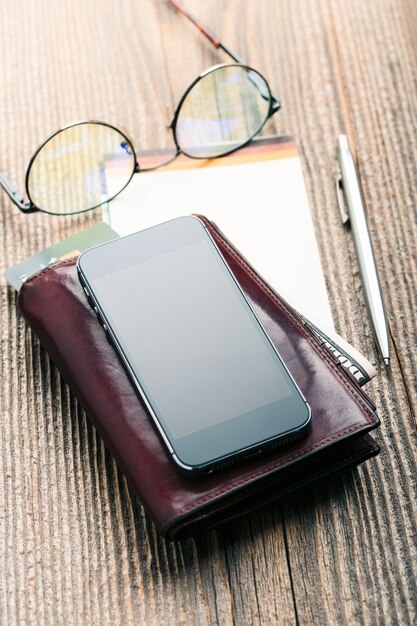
{"points": [[79, 168], [222, 112]]}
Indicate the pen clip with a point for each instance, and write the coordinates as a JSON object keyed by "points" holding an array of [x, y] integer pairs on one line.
{"points": [[341, 197]]}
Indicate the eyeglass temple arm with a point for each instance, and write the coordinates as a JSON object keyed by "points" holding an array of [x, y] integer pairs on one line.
{"points": [[217, 43], [16, 196], [209, 34]]}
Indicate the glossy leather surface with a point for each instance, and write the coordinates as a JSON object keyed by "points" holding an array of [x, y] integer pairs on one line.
{"points": [[55, 306]]}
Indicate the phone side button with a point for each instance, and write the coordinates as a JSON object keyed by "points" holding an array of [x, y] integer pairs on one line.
{"points": [[89, 298], [108, 336]]}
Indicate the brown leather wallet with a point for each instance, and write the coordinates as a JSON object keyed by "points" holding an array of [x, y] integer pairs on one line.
{"points": [[55, 306]]}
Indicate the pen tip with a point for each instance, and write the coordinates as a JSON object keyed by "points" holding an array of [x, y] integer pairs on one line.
{"points": [[386, 361]]}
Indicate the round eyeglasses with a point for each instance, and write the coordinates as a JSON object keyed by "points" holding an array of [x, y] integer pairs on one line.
{"points": [[87, 164]]}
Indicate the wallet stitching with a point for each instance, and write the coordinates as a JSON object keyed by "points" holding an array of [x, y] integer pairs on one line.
{"points": [[314, 477], [264, 470]]}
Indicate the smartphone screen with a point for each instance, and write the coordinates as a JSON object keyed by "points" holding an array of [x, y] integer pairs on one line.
{"points": [[198, 353]]}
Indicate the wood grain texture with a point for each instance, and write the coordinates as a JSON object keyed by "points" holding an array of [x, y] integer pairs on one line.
{"points": [[75, 544]]}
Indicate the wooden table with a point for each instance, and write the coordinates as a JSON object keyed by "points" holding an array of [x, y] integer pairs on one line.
{"points": [[75, 545]]}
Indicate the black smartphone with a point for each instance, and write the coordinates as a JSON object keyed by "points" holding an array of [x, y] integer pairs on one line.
{"points": [[210, 377]]}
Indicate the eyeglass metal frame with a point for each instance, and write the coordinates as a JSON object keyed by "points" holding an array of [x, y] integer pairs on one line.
{"points": [[207, 72], [274, 105]]}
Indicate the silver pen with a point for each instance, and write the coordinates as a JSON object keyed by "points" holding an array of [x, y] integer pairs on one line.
{"points": [[352, 209]]}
